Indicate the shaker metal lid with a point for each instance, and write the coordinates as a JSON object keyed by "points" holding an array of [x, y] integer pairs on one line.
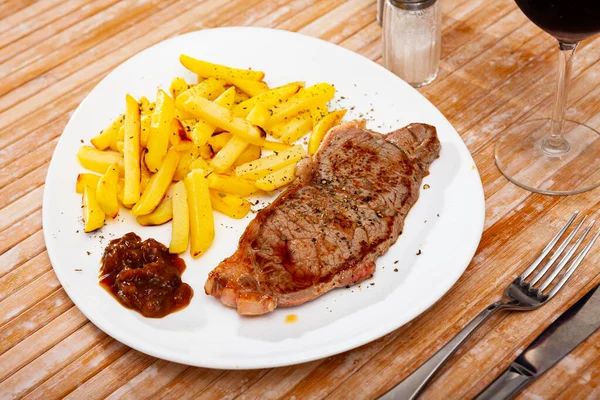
{"points": [[412, 5]]}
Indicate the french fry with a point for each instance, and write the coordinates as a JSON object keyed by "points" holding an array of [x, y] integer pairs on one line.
{"points": [[277, 179], [120, 147], [259, 115], [250, 87], [98, 161], [181, 220], [240, 97], [231, 184], [268, 99], [228, 154], [93, 216], [103, 140], [324, 125], [120, 185], [180, 138], [203, 130], [251, 153], [185, 159], [184, 116], [86, 179], [106, 191], [317, 112], [160, 129], [206, 152], [199, 163], [209, 70], [293, 129], [144, 177], [217, 142], [161, 214], [210, 89], [157, 185], [147, 108], [264, 166], [144, 104], [145, 122], [229, 204], [303, 100], [202, 226], [118, 137], [275, 146], [131, 152], [178, 85], [223, 118]]}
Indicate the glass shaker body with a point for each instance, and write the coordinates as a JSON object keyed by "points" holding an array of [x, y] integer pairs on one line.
{"points": [[412, 38]]}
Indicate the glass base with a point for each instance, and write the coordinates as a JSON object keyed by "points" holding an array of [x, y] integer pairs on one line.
{"points": [[574, 166]]}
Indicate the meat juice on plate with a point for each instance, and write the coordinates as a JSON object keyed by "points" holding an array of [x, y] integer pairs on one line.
{"points": [[569, 21]]}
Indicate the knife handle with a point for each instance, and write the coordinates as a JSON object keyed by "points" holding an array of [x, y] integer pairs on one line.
{"points": [[413, 384], [507, 385]]}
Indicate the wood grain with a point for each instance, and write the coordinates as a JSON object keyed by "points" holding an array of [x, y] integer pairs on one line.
{"points": [[497, 69]]}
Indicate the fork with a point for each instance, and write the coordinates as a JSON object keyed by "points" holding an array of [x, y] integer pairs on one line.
{"points": [[520, 295]]}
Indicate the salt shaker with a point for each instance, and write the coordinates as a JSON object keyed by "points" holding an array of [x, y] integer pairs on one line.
{"points": [[412, 38]]}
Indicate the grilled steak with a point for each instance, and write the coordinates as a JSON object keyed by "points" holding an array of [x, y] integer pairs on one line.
{"points": [[346, 208]]}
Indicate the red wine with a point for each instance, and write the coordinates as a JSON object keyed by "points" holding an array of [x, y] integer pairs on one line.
{"points": [[567, 20]]}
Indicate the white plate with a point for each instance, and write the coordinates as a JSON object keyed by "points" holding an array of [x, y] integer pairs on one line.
{"points": [[445, 224]]}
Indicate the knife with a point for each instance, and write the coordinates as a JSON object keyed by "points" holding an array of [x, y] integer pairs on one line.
{"points": [[561, 337]]}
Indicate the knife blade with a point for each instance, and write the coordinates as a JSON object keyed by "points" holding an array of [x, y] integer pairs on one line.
{"points": [[559, 339]]}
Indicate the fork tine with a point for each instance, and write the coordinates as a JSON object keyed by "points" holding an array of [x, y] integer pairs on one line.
{"points": [[548, 247], [573, 266], [557, 253], [566, 258]]}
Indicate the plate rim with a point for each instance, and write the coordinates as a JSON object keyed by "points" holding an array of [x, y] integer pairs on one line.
{"points": [[279, 361]]}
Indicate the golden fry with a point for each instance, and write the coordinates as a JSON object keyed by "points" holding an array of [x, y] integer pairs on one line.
{"points": [[86, 179], [106, 191], [264, 166], [203, 130], [222, 118], [210, 89], [185, 159], [303, 100], [160, 129], [229, 204], [181, 220], [251, 153], [161, 214], [178, 85], [229, 153], [209, 70], [277, 179], [217, 142], [145, 122], [251, 88], [202, 225], [93, 216], [180, 138], [259, 115], [268, 99], [294, 128], [103, 140], [98, 161], [131, 152], [199, 163], [231, 184], [318, 111], [275, 146], [324, 125], [158, 185]]}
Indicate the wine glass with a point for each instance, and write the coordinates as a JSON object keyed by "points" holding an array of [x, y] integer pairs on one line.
{"points": [[555, 156]]}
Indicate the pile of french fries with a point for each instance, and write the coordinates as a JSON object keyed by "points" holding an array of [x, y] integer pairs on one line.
{"points": [[198, 149]]}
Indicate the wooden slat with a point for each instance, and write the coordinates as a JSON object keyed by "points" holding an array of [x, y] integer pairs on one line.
{"points": [[497, 69]]}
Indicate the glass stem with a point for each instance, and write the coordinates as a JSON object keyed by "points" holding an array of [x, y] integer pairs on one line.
{"points": [[555, 143]]}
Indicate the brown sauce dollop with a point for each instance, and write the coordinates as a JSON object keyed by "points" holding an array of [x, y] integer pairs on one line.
{"points": [[144, 276]]}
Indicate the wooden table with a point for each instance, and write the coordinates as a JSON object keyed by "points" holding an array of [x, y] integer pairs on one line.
{"points": [[497, 69]]}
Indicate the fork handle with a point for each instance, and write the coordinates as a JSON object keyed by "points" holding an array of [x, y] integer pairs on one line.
{"points": [[412, 385]]}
